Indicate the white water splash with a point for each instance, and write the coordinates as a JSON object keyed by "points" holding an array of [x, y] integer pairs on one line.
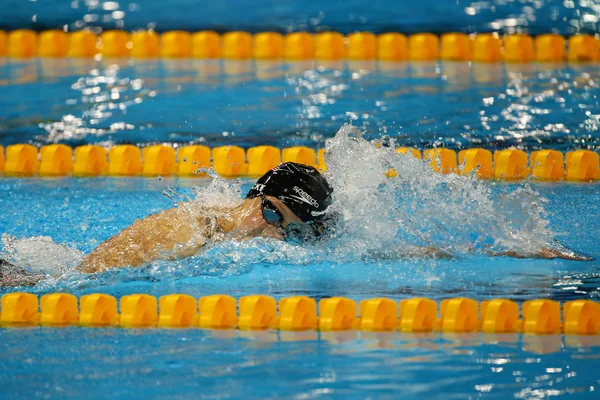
{"points": [[424, 208], [221, 193], [41, 254]]}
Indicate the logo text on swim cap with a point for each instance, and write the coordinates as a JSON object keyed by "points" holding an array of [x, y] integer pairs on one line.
{"points": [[307, 198], [259, 187]]}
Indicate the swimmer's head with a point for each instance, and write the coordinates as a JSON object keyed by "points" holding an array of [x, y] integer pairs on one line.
{"points": [[300, 188]]}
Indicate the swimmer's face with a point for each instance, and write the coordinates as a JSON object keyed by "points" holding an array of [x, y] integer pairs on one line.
{"points": [[253, 223]]}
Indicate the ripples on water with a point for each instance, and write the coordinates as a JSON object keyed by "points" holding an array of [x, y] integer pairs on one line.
{"points": [[294, 365], [529, 16], [248, 103]]}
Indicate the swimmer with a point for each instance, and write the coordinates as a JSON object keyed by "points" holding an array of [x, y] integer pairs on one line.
{"points": [[290, 202]]}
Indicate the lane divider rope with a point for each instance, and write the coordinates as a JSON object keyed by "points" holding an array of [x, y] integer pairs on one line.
{"points": [[233, 161], [299, 313], [484, 47]]}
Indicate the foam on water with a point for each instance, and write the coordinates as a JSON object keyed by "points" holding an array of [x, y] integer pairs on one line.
{"points": [[421, 207], [380, 219], [41, 254]]}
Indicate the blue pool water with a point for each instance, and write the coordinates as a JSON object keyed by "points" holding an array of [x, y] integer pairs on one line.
{"points": [[527, 16], [47, 225], [76, 101], [75, 362], [81, 213], [203, 364]]}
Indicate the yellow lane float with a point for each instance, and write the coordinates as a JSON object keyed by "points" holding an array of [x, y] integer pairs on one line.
{"points": [[389, 46], [235, 162], [299, 313]]}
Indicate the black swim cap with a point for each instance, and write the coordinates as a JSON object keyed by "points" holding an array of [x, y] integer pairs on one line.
{"points": [[300, 187]]}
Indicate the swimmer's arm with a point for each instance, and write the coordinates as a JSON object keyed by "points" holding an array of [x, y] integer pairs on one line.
{"points": [[411, 251], [545, 253], [167, 234]]}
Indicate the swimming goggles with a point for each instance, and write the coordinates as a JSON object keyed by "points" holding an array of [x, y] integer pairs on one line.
{"points": [[292, 231], [271, 213]]}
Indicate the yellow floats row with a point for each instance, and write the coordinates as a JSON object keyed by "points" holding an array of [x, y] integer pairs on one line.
{"points": [[512, 164], [302, 46], [299, 313], [233, 161], [129, 160]]}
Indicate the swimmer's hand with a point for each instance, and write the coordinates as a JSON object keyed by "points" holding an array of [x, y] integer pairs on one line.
{"points": [[547, 253], [564, 253], [170, 234]]}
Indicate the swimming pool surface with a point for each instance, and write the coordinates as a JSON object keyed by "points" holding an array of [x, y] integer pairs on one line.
{"points": [[247, 103], [526, 16], [75, 362], [47, 225]]}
